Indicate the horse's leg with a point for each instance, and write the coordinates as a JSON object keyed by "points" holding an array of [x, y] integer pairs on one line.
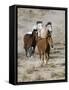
{"points": [[30, 51], [33, 49], [48, 54], [43, 57], [26, 52], [48, 51], [39, 51], [40, 55], [47, 58]]}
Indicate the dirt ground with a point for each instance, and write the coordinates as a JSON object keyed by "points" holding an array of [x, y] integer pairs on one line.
{"points": [[30, 69]]}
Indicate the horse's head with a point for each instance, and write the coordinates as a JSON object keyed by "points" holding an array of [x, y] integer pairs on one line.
{"points": [[48, 27], [35, 34], [39, 25], [50, 40]]}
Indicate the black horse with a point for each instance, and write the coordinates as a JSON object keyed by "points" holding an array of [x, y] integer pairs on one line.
{"points": [[30, 43]]}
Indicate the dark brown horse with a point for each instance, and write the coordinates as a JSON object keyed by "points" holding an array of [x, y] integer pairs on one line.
{"points": [[30, 42], [43, 45]]}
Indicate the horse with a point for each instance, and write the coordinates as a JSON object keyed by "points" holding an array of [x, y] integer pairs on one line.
{"points": [[43, 31], [43, 45], [30, 43]]}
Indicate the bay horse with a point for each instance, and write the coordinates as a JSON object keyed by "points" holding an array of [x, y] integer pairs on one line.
{"points": [[43, 45], [30, 43]]}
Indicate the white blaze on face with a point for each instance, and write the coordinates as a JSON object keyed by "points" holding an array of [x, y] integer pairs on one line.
{"points": [[39, 26]]}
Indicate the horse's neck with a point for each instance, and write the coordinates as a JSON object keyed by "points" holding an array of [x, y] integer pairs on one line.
{"points": [[47, 43], [33, 37]]}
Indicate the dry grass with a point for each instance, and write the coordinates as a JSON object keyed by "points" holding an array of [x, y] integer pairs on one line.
{"points": [[30, 69]]}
